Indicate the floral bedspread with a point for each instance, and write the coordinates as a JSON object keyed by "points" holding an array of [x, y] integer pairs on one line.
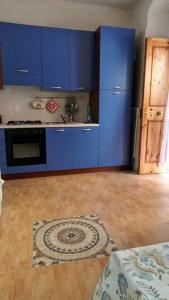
{"points": [[136, 274]]}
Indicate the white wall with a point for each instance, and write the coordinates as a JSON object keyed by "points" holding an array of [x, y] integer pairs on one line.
{"points": [[151, 18], [158, 19], [16, 104], [139, 15], [62, 14]]}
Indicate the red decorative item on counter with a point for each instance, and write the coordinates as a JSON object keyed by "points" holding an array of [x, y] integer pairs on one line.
{"points": [[52, 106]]}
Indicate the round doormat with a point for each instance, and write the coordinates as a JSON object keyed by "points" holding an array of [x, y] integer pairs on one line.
{"points": [[56, 241]]}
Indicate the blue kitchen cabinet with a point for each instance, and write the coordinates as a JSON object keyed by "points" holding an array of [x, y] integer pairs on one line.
{"points": [[3, 165], [55, 59], [82, 61], [114, 131], [26, 169], [60, 148], [2, 135], [21, 54], [116, 58], [86, 147]]}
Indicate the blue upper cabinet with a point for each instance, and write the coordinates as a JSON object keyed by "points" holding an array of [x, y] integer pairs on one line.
{"points": [[116, 58], [21, 54], [82, 53], [114, 132], [86, 147], [55, 59]]}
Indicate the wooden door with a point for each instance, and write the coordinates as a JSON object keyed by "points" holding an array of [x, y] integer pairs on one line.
{"points": [[155, 96]]}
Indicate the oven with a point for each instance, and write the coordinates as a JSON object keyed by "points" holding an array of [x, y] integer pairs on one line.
{"points": [[25, 146]]}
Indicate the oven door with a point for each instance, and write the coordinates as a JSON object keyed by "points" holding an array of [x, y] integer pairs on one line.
{"points": [[25, 147]]}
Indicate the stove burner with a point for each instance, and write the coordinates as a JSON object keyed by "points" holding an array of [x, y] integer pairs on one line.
{"points": [[28, 122]]}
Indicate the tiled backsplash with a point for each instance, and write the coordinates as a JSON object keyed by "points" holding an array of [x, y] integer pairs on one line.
{"points": [[16, 104]]}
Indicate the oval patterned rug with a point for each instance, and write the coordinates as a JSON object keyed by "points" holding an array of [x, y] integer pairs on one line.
{"points": [[63, 240]]}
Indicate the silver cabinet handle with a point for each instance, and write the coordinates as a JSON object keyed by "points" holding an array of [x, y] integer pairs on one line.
{"points": [[56, 87], [22, 70], [86, 129], [117, 87], [59, 130], [116, 93], [81, 88]]}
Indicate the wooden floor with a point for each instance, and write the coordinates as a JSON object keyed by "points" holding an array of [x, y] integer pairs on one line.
{"points": [[134, 209]]}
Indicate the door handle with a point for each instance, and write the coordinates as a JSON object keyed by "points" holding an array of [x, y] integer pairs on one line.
{"points": [[116, 93], [159, 113], [56, 87], [81, 88], [59, 130], [22, 70], [86, 129], [117, 87]]}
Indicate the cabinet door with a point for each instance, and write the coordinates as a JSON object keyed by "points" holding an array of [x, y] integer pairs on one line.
{"points": [[60, 148], [26, 169], [82, 49], [86, 147], [116, 58], [55, 59], [3, 165], [114, 131], [21, 54]]}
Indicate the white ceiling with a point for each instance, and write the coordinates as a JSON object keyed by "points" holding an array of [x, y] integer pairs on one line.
{"points": [[117, 3]]}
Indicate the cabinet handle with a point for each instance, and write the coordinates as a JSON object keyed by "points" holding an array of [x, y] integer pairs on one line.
{"points": [[116, 93], [22, 70], [81, 88], [117, 87], [56, 87], [86, 129], [59, 130]]}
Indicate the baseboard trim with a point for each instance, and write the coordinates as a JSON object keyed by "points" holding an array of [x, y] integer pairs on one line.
{"points": [[64, 172]]}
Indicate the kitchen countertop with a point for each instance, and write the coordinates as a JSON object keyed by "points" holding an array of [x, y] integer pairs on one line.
{"points": [[50, 125]]}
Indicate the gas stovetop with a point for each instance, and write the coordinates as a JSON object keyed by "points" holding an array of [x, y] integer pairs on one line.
{"points": [[28, 122]]}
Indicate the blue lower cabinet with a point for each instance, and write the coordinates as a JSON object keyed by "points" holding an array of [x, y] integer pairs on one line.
{"points": [[114, 131], [86, 147], [60, 148], [2, 135], [26, 169], [3, 165], [3, 169]]}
